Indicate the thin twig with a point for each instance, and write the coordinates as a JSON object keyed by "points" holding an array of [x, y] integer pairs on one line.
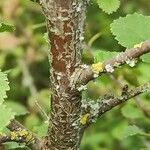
{"points": [[30, 84], [41, 110], [108, 104], [93, 39], [138, 102]]}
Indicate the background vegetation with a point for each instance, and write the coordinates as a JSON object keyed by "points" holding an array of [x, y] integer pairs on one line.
{"points": [[23, 55]]}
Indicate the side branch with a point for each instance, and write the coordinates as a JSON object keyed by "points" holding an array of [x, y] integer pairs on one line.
{"points": [[93, 110], [108, 104], [5, 138], [14, 125], [11, 138], [109, 65], [21, 135]]}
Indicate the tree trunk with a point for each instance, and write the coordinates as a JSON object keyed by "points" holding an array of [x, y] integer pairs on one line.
{"points": [[65, 23]]}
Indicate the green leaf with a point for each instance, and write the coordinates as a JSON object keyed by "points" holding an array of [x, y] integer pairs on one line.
{"points": [[100, 56], [109, 6], [32, 120], [3, 86], [6, 27], [87, 57], [132, 130], [46, 37], [14, 145], [131, 30], [146, 58], [43, 100], [117, 131], [5, 116], [144, 72], [41, 130], [131, 111], [17, 108]]}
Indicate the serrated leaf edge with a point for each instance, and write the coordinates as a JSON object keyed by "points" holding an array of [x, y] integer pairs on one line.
{"points": [[12, 115], [128, 15], [111, 11]]}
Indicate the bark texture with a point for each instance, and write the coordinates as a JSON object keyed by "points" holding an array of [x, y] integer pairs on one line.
{"points": [[69, 115], [65, 23]]}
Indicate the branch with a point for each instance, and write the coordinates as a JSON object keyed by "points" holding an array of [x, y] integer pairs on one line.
{"points": [[30, 84], [108, 66], [91, 110], [108, 104], [21, 135], [14, 125], [5, 138], [137, 99], [9, 138]]}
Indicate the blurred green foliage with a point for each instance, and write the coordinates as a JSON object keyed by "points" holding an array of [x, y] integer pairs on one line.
{"points": [[23, 54]]}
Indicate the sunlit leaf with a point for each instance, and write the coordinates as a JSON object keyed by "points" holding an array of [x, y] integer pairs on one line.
{"points": [[41, 130], [14, 145], [17, 108], [3, 86], [146, 58], [100, 56], [6, 115], [109, 6], [131, 30]]}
